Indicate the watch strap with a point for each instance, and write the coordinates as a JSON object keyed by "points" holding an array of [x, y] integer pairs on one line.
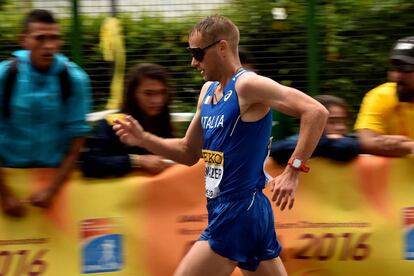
{"points": [[302, 167]]}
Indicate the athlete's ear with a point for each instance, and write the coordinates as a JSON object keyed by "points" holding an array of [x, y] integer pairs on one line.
{"points": [[223, 47], [223, 44]]}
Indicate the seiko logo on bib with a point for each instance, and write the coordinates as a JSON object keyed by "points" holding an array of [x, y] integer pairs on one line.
{"points": [[214, 163]]}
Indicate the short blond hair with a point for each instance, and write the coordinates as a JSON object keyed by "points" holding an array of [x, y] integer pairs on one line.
{"points": [[216, 27]]}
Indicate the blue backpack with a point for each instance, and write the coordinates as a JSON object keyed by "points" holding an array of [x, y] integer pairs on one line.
{"points": [[10, 80]]}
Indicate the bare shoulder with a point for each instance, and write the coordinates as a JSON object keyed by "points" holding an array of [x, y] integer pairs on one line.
{"points": [[248, 80], [203, 92], [254, 86], [205, 87]]}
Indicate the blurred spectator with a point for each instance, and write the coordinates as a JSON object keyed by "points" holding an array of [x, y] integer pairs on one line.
{"points": [[45, 99], [146, 98], [385, 123], [335, 142], [392, 76]]}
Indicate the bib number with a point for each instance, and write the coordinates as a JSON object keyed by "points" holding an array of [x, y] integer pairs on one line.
{"points": [[214, 162]]}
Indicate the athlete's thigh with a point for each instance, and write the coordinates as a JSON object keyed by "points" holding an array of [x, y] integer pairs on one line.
{"points": [[273, 267], [201, 260]]}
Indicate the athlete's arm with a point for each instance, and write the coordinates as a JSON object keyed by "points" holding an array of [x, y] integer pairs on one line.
{"points": [[186, 150], [258, 93]]}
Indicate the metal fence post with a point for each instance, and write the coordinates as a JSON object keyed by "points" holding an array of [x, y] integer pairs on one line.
{"points": [[312, 56], [113, 8], [76, 34]]}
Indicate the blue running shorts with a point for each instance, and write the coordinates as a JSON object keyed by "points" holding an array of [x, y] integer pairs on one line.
{"points": [[241, 228]]}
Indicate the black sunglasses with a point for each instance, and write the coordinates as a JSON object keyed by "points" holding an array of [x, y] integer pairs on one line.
{"points": [[43, 38], [402, 67], [198, 53]]}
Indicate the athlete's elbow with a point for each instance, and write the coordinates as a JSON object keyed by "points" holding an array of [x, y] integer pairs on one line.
{"points": [[190, 154], [192, 160], [321, 113]]}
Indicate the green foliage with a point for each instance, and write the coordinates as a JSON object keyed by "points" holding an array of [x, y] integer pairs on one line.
{"points": [[354, 39], [358, 36]]}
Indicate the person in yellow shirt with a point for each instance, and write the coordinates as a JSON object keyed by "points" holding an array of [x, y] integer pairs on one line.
{"points": [[385, 123]]}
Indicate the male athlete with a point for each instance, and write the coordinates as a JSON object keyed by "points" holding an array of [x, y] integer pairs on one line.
{"points": [[231, 131]]}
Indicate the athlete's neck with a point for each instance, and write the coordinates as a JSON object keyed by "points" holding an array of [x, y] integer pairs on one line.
{"points": [[231, 71]]}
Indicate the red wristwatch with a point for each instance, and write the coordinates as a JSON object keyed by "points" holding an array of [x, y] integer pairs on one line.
{"points": [[298, 164]]}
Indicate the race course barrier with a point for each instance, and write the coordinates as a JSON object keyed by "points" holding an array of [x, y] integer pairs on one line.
{"points": [[349, 219]]}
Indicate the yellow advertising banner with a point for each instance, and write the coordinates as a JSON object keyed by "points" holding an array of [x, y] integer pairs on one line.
{"points": [[349, 219]]}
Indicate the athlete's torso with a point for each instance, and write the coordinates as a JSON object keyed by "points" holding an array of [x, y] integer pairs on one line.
{"points": [[234, 151]]}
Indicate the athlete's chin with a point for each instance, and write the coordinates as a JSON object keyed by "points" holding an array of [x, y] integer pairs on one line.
{"points": [[207, 78]]}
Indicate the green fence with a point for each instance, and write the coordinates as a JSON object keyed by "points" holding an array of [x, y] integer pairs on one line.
{"points": [[335, 47]]}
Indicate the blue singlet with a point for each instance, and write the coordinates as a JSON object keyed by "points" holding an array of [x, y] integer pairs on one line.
{"points": [[241, 223]]}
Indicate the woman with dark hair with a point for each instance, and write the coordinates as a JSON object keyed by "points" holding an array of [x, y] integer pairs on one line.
{"points": [[146, 98], [336, 142]]}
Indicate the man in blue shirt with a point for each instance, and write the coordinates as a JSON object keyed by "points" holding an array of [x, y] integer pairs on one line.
{"points": [[42, 128]]}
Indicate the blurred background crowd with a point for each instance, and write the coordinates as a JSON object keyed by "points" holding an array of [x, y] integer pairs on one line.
{"points": [[336, 47]]}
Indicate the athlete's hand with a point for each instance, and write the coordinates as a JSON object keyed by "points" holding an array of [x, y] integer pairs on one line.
{"points": [[129, 131], [284, 188]]}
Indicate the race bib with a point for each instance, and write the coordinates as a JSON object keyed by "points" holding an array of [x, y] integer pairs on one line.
{"points": [[214, 162]]}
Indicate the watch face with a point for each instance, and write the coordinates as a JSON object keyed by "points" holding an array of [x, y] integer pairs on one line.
{"points": [[296, 163]]}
